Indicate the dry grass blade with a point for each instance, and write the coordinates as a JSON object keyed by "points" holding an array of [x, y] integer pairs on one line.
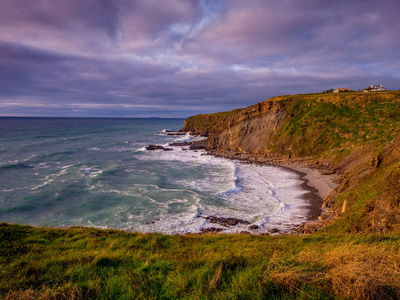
{"points": [[364, 272], [216, 278]]}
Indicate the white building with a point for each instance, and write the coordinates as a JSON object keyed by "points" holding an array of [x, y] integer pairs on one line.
{"points": [[375, 88]]}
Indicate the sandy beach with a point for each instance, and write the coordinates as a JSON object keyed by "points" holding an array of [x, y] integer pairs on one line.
{"points": [[323, 184]]}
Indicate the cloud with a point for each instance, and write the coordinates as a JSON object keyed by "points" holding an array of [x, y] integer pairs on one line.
{"points": [[182, 57]]}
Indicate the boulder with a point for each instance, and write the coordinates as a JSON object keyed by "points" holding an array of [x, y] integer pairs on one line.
{"points": [[157, 147], [180, 144], [211, 229], [198, 145], [226, 221]]}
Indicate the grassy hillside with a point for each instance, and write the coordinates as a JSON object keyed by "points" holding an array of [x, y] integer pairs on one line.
{"points": [[86, 263], [202, 124], [331, 126], [353, 134]]}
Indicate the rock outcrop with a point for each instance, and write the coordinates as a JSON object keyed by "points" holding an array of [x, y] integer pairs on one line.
{"points": [[157, 147]]}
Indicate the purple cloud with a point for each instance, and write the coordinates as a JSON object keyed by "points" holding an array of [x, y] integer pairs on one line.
{"points": [[180, 57]]}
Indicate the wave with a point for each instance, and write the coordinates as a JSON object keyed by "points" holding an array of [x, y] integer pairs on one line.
{"points": [[16, 209], [46, 136], [16, 165], [238, 184]]}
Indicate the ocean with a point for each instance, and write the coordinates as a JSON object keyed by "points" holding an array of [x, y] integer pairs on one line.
{"points": [[62, 172]]}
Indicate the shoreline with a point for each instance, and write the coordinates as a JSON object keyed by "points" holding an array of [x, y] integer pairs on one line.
{"points": [[317, 185], [318, 181]]}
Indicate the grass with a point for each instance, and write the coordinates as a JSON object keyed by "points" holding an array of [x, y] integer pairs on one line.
{"points": [[204, 124], [87, 263], [325, 125]]}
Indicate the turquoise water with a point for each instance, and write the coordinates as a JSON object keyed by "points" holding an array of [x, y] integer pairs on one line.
{"points": [[96, 172]]}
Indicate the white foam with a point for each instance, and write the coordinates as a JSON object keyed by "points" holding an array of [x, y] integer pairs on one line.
{"points": [[269, 197], [51, 178]]}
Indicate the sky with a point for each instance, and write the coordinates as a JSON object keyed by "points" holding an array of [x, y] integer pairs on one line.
{"points": [[177, 58]]}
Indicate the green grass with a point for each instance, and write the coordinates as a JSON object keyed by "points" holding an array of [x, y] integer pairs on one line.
{"points": [[204, 124], [88, 263], [325, 125]]}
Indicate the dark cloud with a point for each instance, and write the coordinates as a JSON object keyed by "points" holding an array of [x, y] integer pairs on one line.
{"points": [[182, 57]]}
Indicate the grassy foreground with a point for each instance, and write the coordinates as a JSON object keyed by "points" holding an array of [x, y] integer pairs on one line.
{"points": [[87, 263]]}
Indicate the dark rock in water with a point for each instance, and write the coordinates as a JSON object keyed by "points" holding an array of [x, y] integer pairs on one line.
{"points": [[244, 232], [226, 221], [154, 147], [265, 234], [158, 147], [175, 133], [211, 229], [253, 226], [274, 230], [198, 145], [152, 221], [232, 222], [180, 144]]}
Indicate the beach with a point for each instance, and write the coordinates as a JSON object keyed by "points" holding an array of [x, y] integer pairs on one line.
{"points": [[317, 183]]}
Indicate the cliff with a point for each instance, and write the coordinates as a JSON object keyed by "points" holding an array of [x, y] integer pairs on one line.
{"points": [[356, 135]]}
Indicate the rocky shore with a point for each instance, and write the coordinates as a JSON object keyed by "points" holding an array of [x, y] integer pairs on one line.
{"points": [[318, 180]]}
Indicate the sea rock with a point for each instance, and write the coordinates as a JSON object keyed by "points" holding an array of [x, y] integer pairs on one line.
{"points": [[211, 229], [198, 145], [244, 232], [253, 226], [265, 234], [226, 221], [157, 147], [175, 133], [274, 230], [154, 147]]}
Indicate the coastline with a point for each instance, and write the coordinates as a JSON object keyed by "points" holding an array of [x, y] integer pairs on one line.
{"points": [[317, 183]]}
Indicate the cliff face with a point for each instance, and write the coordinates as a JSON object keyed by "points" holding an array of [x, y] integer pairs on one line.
{"points": [[248, 130], [245, 130], [354, 134]]}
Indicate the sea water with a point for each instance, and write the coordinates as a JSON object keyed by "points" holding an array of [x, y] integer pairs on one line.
{"points": [[96, 172]]}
